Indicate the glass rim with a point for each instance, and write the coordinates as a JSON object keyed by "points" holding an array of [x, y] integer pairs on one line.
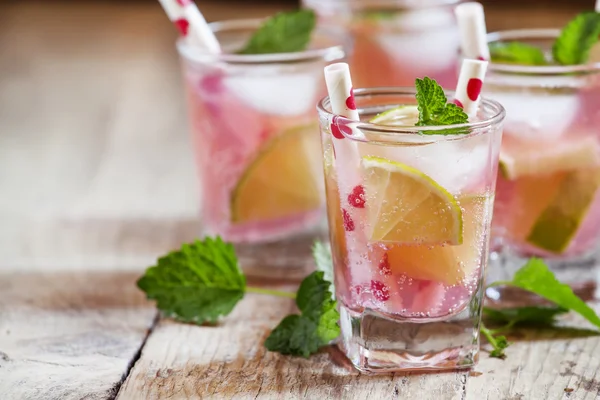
{"points": [[515, 34], [191, 53], [361, 4], [407, 134]]}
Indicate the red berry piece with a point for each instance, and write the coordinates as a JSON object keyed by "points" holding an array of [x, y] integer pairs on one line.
{"points": [[350, 101], [384, 265], [380, 291], [348, 223], [474, 88], [458, 103], [357, 197], [183, 26], [212, 83]]}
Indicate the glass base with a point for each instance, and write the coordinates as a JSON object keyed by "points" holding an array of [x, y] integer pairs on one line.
{"points": [[581, 273], [375, 343]]}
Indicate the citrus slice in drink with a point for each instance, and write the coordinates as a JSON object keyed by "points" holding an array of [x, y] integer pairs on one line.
{"points": [[447, 264], [397, 116], [407, 206], [558, 223], [283, 180], [518, 159]]}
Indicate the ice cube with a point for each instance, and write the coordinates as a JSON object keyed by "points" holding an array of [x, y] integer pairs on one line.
{"points": [[423, 40], [531, 116], [273, 91]]}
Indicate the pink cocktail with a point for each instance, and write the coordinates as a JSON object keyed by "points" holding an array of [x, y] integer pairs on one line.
{"points": [[256, 141], [548, 197], [393, 42], [409, 213]]}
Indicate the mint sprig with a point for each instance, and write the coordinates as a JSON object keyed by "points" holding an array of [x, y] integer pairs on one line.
{"points": [[576, 39], [434, 109], [517, 53], [315, 327], [285, 32]]}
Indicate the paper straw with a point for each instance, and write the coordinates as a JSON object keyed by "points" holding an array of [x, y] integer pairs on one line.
{"points": [[191, 24], [470, 82], [597, 6], [339, 88], [473, 33]]}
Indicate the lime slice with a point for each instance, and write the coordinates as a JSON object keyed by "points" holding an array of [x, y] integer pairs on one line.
{"points": [[558, 223], [518, 160], [450, 265], [398, 116], [407, 206], [283, 180]]}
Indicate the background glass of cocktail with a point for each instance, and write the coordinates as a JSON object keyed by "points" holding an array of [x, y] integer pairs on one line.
{"points": [[392, 42], [257, 145], [547, 201], [410, 240]]}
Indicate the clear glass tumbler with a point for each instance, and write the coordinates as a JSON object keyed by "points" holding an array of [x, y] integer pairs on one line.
{"points": [[548, 197], [392, 42], [409, 214], [257, 148]]}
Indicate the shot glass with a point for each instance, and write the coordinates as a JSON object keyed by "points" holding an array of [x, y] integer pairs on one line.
{"points": [[392, 42], [256, 142], [548, 198], [410, 240]]}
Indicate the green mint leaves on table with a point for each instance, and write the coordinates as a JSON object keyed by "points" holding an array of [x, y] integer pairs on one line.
{"points": [[202, 282], [517, 53], [315, 327], [572, 47], [434, 109], [285, 32], [198, 283], [534, 277], [576, 39]]}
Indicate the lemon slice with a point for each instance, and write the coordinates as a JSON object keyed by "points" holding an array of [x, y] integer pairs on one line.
{"points": [[519, 160], [284, 179], [397, 116], [449, 265], [558, 223], [407, 206]]}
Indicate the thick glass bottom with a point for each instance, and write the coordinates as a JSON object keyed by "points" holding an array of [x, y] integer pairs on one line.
{"points": [[580, 273], [376, 343]]}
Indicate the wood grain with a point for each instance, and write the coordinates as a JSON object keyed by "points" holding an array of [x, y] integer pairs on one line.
{"points": [[69, 336]]}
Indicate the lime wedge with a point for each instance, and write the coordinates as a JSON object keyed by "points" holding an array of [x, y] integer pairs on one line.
{"points": [[518, 160], [407, 206], [558, 223], [283, 180], [398, 116]]}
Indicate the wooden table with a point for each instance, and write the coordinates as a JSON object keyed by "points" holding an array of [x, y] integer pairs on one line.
{"points": [[96, 180]]}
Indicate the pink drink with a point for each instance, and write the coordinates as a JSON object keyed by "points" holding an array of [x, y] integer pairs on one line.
{"points": [[256, 139], [407, 274], [394, 42], [548, 202]]}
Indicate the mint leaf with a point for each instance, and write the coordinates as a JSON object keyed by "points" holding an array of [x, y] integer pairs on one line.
{"points": [[317, 325], [535, 277], [434, 109], [533, 315], [498, 343], [576, 39], [286, 32], [322, 255], [517, 53], [198, 283]]}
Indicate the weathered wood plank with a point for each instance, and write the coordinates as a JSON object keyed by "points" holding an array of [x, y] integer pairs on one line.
{"points": [[69, 336], [229, 361]]}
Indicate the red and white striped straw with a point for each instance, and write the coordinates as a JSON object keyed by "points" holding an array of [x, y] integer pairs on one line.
{"points": [[470, 82], [473, 32], [191, 24]]}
